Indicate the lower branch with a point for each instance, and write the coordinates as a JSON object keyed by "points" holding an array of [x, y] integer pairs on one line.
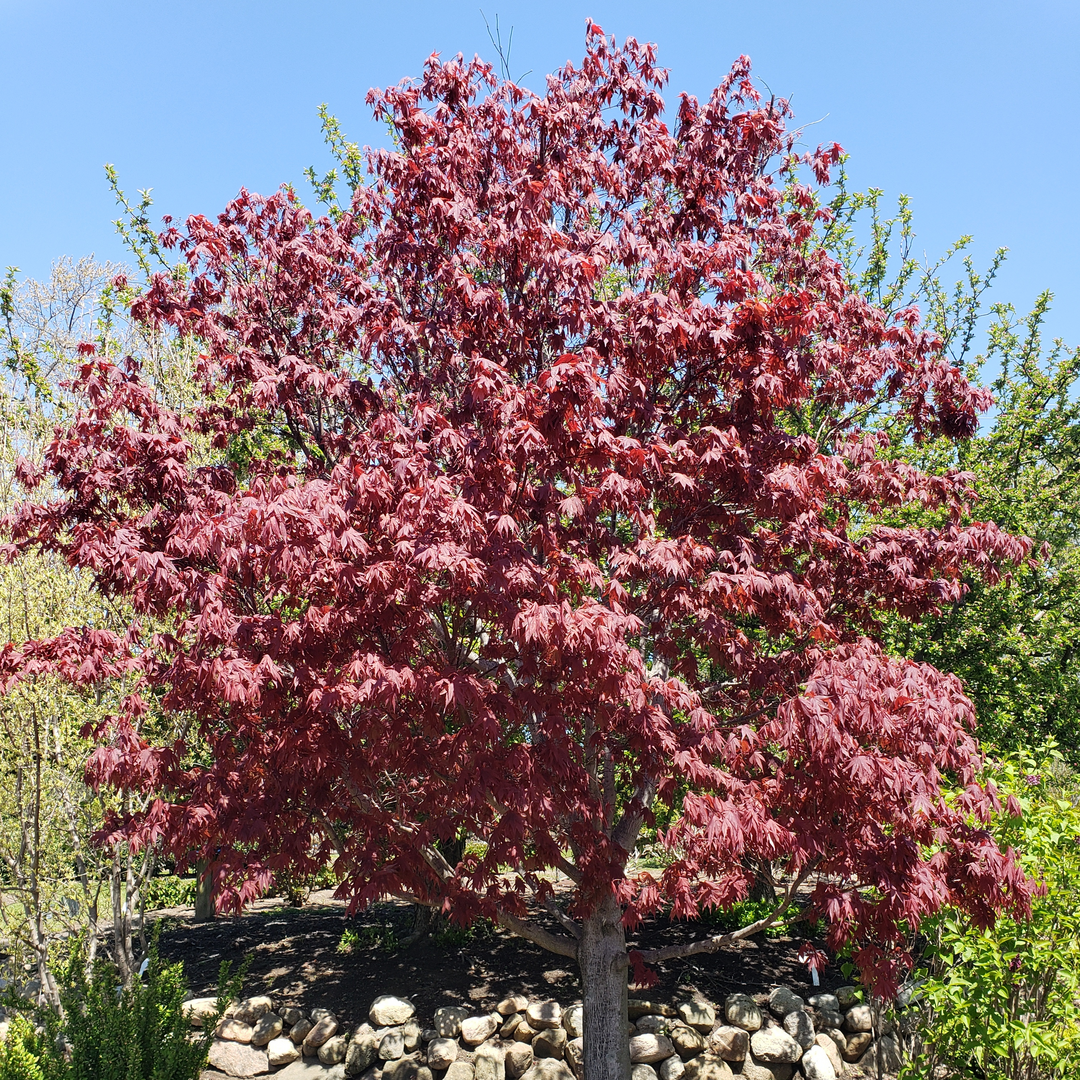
{"points": [[555, 943], [711, 944]]}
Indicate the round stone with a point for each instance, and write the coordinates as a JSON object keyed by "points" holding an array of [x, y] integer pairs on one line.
{"points": [[238, 1059], [387, 1010], [550, 1043], [859, 1018], [774, 1044], [707, 1067], [699, 1015], [544, 1014], [251, 1009], [573, 1020], [519, 1058], [671, 1068], [332, 1052], [688, 1043], [281, 1051], [729, 1043], [392, 1045], [198, 1010], [547, 1069], [648, 1049], [442, 1053], [784, 1000], [447, 1020], [268, 1027], [514, 1004], [489, 1063], [299, 1031], [234, 1031], [324, 1029], [475, 1029], [800, 1027], [363, 1051], [816, 1065], [857, 1045], [743, 1011], [832, 1052], [652, 1024]]}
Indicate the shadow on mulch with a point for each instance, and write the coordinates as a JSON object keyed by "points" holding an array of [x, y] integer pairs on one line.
{"points": [[294, 955]]}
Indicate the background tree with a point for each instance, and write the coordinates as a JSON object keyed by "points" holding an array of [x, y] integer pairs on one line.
{"points": [[56, 882], [1013, 642], [517, 554]]}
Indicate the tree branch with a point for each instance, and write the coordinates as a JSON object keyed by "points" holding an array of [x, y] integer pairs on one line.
{"points": [[555, 943], [565, 921], [711, 944]]}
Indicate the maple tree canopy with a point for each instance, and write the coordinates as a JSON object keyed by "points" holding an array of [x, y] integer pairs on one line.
{"points": [[554, 512]]}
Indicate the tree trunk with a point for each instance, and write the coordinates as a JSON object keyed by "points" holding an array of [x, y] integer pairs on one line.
{"points": [[204, 892], [603, 962]]}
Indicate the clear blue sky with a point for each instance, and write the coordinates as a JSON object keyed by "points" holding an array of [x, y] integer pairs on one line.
{"points": [[970, 108]]}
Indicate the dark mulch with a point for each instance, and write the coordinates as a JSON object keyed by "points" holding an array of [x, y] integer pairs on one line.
{"points": [[294, 955]]}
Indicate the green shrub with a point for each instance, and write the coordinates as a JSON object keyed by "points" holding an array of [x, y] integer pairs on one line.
{"points": [[18, 1053], [744, 912], [168, 890], [1002, 1002], [108, 1033]]}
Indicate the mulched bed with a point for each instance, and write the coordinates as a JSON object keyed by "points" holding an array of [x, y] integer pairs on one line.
{"points": [[294, 955]]}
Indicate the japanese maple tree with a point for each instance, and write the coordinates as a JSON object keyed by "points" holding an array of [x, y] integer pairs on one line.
{"points": [[527, 496]]}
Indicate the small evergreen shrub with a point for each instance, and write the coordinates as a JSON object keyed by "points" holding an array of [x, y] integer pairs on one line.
{"points": [[110, 1033], [18, 1053], [137, 1034]]}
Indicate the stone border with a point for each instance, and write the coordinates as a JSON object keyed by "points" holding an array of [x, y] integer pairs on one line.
{"points": [[770, 1037]]}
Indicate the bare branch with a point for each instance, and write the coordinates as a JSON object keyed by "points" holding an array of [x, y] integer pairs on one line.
{"points": [[565, 921], [555, 943], [711, 944]]}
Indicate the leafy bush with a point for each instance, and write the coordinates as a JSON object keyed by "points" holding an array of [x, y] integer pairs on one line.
{"points": [[1003, 999], [169, 890], [18, 1053], [140, 1032], [109, 1033], [382, 936]]}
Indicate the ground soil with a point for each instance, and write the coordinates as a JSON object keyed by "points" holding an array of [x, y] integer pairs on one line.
{"points": [[294, 954]]}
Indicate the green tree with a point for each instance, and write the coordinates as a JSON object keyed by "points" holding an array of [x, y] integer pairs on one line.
{"points": [[1013, 643]]}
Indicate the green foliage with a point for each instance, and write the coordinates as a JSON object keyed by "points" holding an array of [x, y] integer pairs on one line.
{"points": [[382, 936], [745, 912], [19, 1053], [1004, 999], [108, 1033], [350, 939], [1014, 643], [138, 1033], [350, 160], [168, 890], [449, 936]]}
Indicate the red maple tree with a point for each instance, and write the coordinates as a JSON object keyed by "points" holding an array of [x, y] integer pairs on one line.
{"points": [[563, 516]]}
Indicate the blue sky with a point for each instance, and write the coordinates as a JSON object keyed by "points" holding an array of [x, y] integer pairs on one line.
{"points": [[969, 108]]}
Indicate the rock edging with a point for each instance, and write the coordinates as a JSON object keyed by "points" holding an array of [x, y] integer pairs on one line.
{"points": [[768, 1037]]}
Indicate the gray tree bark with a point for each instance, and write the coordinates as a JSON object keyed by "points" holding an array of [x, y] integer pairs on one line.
{"points": [[204, 893], [604, 966]]}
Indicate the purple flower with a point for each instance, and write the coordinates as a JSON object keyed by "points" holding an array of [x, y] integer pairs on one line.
{"points": [[1015, 964], [1033, 779]]}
